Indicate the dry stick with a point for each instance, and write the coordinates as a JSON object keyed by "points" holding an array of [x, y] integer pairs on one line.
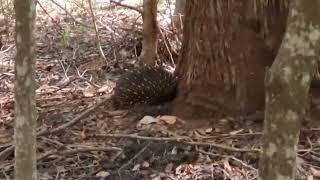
{"points": [[108, 28], [227, 148], [96, 30], [165, 40], [76, 78], [127, 6], [65, 69], [46, 12], [68, 83], [5, 152], [5, 174], [225, 156], [80, 150], [135, 136], [53, 141], [6, 50], [135, 157], [73, 121], [67, 152], [312, 129], [180, 139], [5, 145], [66, 11], [55, 130], [240, 134]]}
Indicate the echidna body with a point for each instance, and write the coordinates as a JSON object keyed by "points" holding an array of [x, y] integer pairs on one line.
{"points": [[148, 84]]}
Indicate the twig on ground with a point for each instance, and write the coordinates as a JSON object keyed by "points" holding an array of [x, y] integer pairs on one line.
{"points": [[8, 49], [108, 28], [135, 157], [4, 153], [9, 149], [74, 79], [231, 157], [127, 6], [75, 151], [73, 121], [181, 139], [65, 70], [9, 165], [66, 11], [5, 145], [135, 136], [52, 141], [227, 148], [226, 135], [5, 174]]}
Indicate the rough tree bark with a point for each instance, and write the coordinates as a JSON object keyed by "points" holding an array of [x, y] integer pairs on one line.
{"points": [[149, 43], [287, 89], [227, 45], [25, 106]]}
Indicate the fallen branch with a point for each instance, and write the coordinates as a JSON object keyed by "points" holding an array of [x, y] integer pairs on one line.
{"points": [[73, 121], [182, 139], [135, 157], [58, 129], [9, 165], [75, 151]]}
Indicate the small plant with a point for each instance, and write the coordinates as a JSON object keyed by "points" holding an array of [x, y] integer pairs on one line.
{"points": [[66, 35]]}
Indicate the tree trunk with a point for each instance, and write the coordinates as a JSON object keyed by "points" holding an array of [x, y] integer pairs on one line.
{"points": [[287, 90], [25, 106], [149, 51], [227, 45]]}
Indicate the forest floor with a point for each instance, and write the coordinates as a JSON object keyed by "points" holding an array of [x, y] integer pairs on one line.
{"points": [[80, 137]]}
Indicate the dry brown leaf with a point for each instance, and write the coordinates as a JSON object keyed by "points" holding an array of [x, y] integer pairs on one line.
{"points": [[235, 132], [174, 151], [83, 134], [103, 174], [209, 130], [145, 164], [168, 119], [226, 164], [104, 88], [88, 93], [136, 167], [147, 120]]}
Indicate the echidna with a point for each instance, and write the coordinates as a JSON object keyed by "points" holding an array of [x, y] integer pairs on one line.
{"points": [[149, 85]]}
